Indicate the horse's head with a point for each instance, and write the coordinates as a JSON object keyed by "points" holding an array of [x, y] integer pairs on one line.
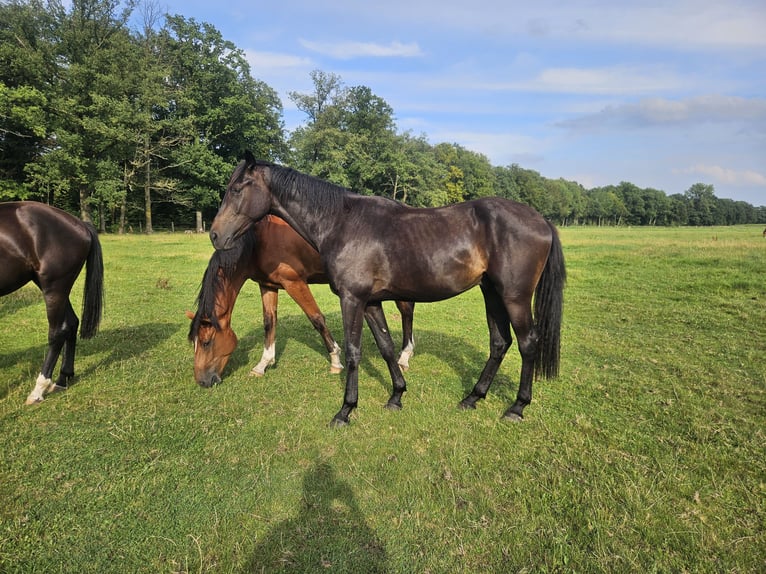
{"points": [[246, 201], [213, 345]]}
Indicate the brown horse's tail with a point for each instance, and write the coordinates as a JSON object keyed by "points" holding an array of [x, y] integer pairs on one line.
{"points": [[93, 298], [549, 307]]}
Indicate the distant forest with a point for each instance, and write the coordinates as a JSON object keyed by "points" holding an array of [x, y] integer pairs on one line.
{"points": [[138, 128]]}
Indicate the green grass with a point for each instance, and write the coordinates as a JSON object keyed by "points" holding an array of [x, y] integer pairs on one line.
{"points": [[647, 454]]}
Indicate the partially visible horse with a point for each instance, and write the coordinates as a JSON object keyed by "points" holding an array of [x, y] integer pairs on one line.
{"points": [[273, 255], [49, 247], [374, 249]]}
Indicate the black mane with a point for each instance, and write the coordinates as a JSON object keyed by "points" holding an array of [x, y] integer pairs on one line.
{"points": [[227, 262], [316, 195]]}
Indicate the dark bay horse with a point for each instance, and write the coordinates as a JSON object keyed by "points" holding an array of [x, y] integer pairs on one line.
{"points": [[375, 249], [273, 255], [49, 247]]}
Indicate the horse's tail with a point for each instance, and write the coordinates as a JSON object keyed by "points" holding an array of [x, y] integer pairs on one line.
{"points": [[549, 307], [93, 297]]}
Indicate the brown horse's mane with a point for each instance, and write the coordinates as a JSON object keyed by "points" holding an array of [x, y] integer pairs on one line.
{"points": [[227, 263]]}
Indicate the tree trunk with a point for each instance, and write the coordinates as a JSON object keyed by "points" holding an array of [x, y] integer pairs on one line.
{"points": [[148, 195], [85, 212]]}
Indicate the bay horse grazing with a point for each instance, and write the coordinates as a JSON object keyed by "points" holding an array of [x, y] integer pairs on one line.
{"points": [[49, 247], [376, 249], [276, 257]]}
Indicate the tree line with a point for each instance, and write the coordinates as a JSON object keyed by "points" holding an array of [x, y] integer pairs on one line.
{"points": [[134, 119]]}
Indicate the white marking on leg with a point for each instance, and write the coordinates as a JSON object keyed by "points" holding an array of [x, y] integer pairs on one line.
{"points": [[267, 360], [335, 365], [42, 386], [404, 358]]}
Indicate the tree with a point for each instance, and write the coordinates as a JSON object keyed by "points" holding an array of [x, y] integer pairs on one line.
{"points": [[702, 204], [349, 135], [27, 63]]}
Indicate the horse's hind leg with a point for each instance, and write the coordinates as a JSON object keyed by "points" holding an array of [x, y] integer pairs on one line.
{"points": [[407, 310], [66, 374], [269, 299], [62, 329], [301, 294], [499, 342], [376, 320], [526, 336]]}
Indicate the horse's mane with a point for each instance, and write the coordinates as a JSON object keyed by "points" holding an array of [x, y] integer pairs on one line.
{"points": [[316, 195], [227, 262]]}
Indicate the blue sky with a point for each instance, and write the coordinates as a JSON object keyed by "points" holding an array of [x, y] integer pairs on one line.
{"points": [[660, 93]]}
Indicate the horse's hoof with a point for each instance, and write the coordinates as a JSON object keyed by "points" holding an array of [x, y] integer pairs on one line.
{"points": [[56, 389], [254, 373], [336, 370], [464, 406], [337, 423], [513, 417], [394, 406], [33, 400]]}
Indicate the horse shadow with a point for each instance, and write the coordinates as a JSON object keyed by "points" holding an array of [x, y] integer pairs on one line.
{"points": [[117, 345], [329, 533]]}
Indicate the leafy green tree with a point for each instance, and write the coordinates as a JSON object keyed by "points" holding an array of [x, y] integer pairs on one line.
{"points": [[226, 110], [702, 204], [633, 200], [348, 137], [27, 63], [93, 45]]}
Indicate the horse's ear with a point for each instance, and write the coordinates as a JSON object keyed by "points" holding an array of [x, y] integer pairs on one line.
{"points": [[190, 315], [249, 158]]}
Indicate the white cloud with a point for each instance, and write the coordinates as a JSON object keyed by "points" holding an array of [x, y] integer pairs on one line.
{"points": [[350, 50], [609, 80], [725, 175], [266, 61], [682, 24], [661, 111], [621, 80]]}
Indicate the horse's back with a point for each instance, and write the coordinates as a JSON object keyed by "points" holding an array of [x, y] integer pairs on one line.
{"points": [[39, 243]]}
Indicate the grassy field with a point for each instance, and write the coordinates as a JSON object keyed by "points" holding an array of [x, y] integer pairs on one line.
{"points": [[648, 454]]}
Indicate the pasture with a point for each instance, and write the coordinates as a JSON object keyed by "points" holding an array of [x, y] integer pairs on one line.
{"points": [[647, 454]]}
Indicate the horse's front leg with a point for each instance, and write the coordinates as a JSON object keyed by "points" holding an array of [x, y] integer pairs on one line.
{"points": [[353, 320], [269, 299], [376, 320]]}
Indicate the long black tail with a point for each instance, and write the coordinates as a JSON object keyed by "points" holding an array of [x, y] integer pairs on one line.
{"points": [[93, 298], [549, 308]]}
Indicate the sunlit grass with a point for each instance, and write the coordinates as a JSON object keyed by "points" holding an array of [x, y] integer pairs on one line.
{"points": [[648, 454]]}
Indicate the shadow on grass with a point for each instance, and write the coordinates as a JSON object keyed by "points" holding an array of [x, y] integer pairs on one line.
{"points": [[21, 298], [116, 345], [328, 534]]}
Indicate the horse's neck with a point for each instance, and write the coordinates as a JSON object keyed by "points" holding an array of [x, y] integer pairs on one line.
{"points": [[227, 291], [313, 228]]}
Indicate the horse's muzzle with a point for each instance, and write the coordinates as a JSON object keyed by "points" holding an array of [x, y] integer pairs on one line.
{"points": [[209, 380]]}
